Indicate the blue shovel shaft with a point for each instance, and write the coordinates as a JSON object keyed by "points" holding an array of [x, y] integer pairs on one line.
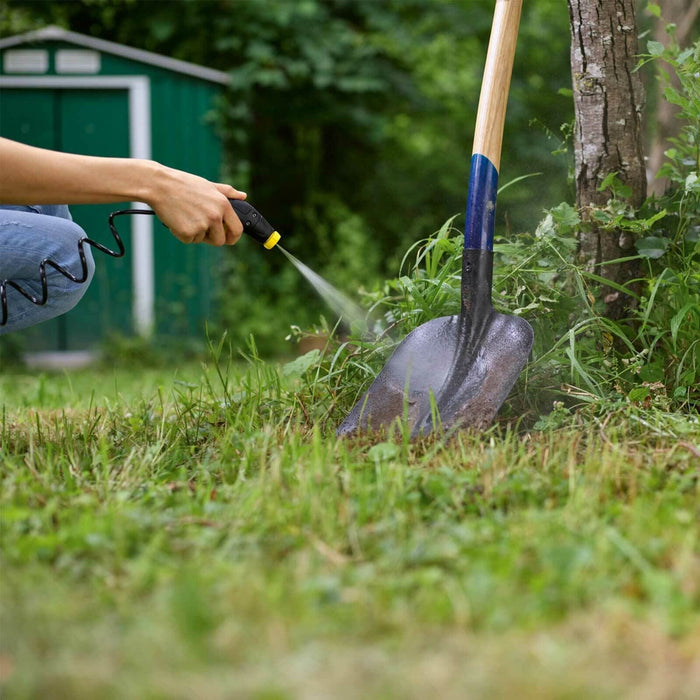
{"points": [[481, 204]]}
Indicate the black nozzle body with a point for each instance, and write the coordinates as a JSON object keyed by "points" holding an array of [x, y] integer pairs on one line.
{"points": [[255, 224]]}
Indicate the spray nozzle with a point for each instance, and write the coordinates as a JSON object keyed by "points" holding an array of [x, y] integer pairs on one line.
{"points": [[255, 224]]}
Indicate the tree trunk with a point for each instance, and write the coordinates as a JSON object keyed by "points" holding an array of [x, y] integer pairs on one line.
{"points": [[608, 100]]}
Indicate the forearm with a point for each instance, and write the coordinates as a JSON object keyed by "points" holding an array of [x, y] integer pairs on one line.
{"points": [[194, 209], [37, 176]]}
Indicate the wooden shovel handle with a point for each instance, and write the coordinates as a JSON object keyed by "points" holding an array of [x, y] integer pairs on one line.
{"points": [[490, 118]]}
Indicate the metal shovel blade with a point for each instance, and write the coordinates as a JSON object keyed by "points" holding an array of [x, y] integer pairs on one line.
{"points": [[450, 373]]}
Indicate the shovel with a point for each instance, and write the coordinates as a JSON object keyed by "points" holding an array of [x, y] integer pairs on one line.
{"points": [[454, 372]]}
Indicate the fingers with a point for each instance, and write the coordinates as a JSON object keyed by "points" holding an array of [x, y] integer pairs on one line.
{"points": [[230, 192], [215, 224], [232, 238], [189, 238], [216, 235], [225, 228]]}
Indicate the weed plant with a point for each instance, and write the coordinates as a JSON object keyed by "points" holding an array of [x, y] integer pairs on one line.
{"points": [[651, 358]]}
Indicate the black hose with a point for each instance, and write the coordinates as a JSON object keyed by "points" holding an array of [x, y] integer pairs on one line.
{"points": [[40, 301]]}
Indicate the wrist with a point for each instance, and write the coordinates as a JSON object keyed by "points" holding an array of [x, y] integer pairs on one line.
{"points": [[150, 182]]}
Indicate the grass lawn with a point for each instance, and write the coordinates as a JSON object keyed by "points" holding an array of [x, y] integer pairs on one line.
{"points": [[164, 539]]}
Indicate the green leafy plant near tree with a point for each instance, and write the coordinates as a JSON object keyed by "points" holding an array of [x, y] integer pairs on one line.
{"points": [[649, 358]]}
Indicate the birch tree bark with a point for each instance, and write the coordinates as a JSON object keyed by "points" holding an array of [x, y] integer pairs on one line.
{"points": [[608, 101]]}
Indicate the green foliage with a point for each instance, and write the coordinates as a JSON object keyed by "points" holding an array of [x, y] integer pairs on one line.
{"points": [[154, 351], [11, 351], [343, 120], [669, 315], [579, 352]]}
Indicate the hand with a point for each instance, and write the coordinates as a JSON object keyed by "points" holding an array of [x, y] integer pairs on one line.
{"points": [[194, 209]]}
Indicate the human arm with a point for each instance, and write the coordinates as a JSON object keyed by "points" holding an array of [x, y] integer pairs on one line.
{"points": [[193, 208]]}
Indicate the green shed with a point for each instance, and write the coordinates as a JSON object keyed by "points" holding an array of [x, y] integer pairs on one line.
{"points": [[76, 93]]}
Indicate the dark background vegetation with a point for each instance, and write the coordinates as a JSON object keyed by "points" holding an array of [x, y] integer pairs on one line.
{"points": [[349, 123]]}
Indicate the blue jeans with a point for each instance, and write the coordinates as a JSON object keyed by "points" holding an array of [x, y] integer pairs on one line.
{"points": [[28, 235]]}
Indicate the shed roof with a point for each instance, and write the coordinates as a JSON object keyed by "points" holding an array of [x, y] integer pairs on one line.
{"points": [[54, 33]]}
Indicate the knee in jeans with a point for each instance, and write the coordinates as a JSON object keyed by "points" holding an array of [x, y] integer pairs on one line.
{"points": [[79, 289], [83, 268], [73, 244]]}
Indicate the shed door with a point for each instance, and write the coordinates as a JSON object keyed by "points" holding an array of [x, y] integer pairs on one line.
{"points": [[91, 122]]}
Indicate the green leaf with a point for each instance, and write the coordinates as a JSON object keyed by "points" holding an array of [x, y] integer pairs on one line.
{"points": [[639, 393], [616, 186], [655, 48], [648, 223], [565, 216], [516, 180], [609, 283], [654, 10], [692, 183], [383, 452], [652, 247], [678, 319], [446, 228], [693, 235], [653, 372], [680, 392], [601, 215], [683, 56], [674, 97], [296, 368]]}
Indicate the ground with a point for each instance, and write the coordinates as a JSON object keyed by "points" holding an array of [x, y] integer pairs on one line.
{"points": [[163, 538]]}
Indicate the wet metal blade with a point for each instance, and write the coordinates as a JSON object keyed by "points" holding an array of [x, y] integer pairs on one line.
{"points": [[468, 387], [464, 366]]}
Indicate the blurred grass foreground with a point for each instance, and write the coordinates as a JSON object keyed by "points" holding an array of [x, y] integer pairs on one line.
{"points": [[163, 537]]}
